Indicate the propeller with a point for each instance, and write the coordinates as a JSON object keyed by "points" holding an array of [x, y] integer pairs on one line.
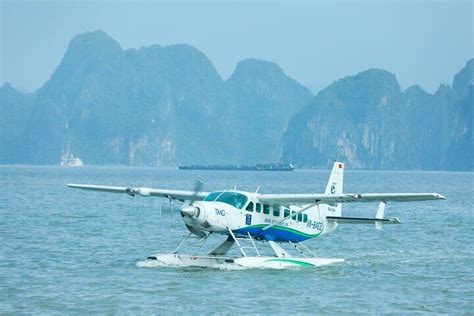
{"points": [[191, 210], [186, 209]]}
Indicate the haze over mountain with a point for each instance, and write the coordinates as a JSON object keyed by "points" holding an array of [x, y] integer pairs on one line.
{"points": [[367, 121], [164, 106], [155, 106]]}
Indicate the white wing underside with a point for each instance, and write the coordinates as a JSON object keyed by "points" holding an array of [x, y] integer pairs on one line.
{"points": [[180, 195], [347, 198]]}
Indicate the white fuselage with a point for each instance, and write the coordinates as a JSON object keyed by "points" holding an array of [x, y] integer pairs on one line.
{"points": [[251, 217]]}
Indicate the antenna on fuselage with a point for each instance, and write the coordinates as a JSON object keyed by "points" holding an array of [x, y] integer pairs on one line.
{"points": [[258, 188], [235, 187]]}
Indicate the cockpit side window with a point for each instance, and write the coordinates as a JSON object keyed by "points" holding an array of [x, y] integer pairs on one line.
{"points": [[212, 196], [258, 207], [249, 207], [233, 198]]}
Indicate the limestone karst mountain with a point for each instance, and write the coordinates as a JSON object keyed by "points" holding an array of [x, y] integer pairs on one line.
{"points": [[369, 122], [165, 106]]}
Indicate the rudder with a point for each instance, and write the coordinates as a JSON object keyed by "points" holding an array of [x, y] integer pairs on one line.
{"points": [[335, 186]]}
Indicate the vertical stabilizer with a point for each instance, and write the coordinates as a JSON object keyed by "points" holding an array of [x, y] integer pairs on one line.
{"points": [[335, 182], [379, 215], [334, 186]]}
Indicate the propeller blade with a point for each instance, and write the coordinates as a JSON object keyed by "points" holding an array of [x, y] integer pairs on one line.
{"points": [[196, 232], [171, 213], [197, 188], [191, 210]]}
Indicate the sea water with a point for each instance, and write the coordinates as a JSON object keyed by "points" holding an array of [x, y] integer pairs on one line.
{"points": [[71, 251]]}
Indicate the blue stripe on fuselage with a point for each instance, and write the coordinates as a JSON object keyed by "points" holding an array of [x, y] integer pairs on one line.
{"points": [[274, 233]]}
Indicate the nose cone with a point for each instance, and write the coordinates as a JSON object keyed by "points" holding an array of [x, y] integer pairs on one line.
{"points": [[189, 210]]}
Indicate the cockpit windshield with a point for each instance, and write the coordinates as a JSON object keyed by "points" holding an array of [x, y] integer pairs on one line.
{"points": [[235, 199], [212, 196]]}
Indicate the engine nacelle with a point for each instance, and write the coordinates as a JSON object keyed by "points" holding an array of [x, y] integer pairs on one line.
{"points": [[204, 216]]}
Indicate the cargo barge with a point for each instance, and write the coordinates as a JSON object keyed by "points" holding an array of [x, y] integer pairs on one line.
{"points": [[259, 167]]}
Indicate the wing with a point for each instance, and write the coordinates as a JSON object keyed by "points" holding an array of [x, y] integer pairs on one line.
{"points": [[347, 197], [172, 194]]}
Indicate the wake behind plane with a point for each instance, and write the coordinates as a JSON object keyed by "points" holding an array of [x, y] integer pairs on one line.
{"points": [[248, 220]]}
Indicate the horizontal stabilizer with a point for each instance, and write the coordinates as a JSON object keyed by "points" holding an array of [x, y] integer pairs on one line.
{"points": [[363, 220]]}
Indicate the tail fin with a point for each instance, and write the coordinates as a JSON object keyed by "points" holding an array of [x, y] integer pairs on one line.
{"points": [[335, 182], [335, 185]]}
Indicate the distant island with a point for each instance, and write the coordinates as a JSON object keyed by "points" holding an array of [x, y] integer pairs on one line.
{"points": [[168, 106]]}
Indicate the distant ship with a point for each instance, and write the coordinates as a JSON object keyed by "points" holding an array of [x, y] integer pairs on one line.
{"points": [[68, 160], [259, 167]]}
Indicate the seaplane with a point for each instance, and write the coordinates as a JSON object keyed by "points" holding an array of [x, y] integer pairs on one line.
{"points": [[278, 221]]}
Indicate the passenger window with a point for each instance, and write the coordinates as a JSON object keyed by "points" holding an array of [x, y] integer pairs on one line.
{"points": [[249, 207], [266, 209], [305, 218], [287, 212], [259, 207], [276, 210], [300, 217], [294, 216]]}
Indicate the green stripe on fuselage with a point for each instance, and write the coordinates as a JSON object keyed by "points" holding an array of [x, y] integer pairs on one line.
{"points": [[296, 262]]}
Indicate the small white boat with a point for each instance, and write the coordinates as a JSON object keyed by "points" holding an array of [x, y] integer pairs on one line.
{"points": [[68, 160]]}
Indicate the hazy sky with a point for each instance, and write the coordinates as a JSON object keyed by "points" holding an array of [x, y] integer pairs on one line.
{"points": [[317, 42]]}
